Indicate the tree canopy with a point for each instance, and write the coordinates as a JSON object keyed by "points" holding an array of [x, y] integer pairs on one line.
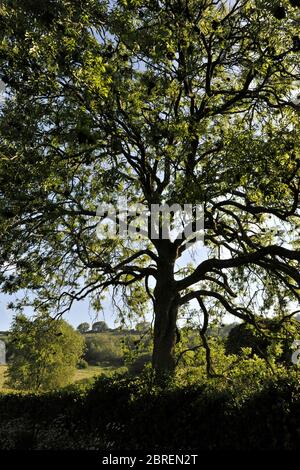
{"points": [[273, 333], [83, 327], [99, 326], [163, 101], [43, 353]]}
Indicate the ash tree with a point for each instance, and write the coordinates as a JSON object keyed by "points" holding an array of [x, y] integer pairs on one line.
{"points": [[163, 101]]}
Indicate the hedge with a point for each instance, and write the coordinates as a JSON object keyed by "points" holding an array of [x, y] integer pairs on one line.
{"points": [[121, 413]]}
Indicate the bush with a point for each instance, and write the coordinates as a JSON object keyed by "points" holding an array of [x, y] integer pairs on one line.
{"points": [[245, 336], [45, 353], [138, 364], [83, 327], [123, 413], [273, 334], [82, 364], [99, 327], [103, 348]]}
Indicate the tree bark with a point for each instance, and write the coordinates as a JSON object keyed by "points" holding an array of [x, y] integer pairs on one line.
{"points": [[166, 310]]}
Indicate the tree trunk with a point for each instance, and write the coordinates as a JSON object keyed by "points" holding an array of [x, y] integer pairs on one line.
{"points": [[163, 359], [166, 310]]}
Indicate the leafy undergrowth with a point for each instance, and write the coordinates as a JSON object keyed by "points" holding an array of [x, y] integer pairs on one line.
{"points": [[120, 412]]}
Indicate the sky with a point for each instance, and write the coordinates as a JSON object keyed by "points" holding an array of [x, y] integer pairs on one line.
{"points": [[79, 313]]}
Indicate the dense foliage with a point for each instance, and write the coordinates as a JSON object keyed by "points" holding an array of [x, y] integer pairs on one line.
{"points": [[121, 413], [43, 353], [263, 342], [83, 327], [103, 348], [99, 326]]}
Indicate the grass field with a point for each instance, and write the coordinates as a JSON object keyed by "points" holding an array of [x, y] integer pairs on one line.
{"points": [[80, 374], [92, 371]]}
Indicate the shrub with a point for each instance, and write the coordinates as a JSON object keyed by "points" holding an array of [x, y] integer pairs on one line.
{"points": [[138, 364], [83, 327], [45, 353], [273, 334], [103, 348], [120, 412], [82, 364], [99, 327]]}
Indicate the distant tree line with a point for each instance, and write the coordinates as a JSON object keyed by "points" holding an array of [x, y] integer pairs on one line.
{"points": [[101, 327]]}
